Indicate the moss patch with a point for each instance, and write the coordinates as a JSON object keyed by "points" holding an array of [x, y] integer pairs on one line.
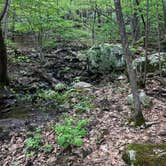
{"points": [[145, 155]]}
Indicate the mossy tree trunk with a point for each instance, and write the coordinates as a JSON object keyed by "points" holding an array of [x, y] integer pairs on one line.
{"points": [[137, 115]]}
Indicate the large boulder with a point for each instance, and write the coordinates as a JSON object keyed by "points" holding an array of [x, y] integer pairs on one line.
{"points": [[145, 155], [152, 63], [105, 58]]}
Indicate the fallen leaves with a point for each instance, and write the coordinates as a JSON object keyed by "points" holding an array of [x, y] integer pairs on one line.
{"points": [[109, 133]]}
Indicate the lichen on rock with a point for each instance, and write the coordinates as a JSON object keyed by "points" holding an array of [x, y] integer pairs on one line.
{"points": [[105, 57], [145, 155]]}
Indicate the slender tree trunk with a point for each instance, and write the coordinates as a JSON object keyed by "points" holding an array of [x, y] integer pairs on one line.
{"points": [[140, 11], [57, 3], [158, 34], [164, 11], [99, 16], [137, 116], [3, 61], [94, 24], [13, 17], [6, 26], [5, 21], [40, 45], [135, 26], [146, 42]]}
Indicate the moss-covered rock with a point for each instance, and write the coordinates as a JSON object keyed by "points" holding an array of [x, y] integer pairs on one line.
{"points": [[145, 155], [105, 58]]}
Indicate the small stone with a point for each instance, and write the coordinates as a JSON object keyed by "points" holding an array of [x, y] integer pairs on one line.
{"points": [[86, 152], [51, 160], [82, 86], [121, 77], [162, 133]]}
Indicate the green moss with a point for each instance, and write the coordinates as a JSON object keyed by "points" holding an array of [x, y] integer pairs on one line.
{"points": [[145, 155], [139, 120]]}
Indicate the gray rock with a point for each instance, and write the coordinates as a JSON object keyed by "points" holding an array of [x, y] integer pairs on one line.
{"points": [[144, 99], [82, 86], [152, 63], [105, 57], [162, 134]]}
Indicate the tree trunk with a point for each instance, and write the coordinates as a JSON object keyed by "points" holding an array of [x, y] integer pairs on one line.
{"points": [[3, 53], [135, 26], [137, 116], [5, 22], [158, 36], [3, 61], [164, 11], [146, 42], [94, 24], [140, 12]]}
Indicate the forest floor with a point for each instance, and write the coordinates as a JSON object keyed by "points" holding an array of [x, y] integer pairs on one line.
{"points": [[109, 128]]}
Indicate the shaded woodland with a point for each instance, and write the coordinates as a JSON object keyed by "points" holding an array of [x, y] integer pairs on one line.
{"points": [[82, 83]]}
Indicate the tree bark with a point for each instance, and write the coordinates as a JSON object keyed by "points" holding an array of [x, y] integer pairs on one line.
{"points": [[94, 23], [3, 61], [3, 53], [5, 21], [164, 11], [146, 42], [158, 35], [137, 116], [135, 26]]}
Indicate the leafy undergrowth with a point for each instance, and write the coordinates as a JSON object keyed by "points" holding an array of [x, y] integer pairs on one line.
{"points": [[94, 137]]}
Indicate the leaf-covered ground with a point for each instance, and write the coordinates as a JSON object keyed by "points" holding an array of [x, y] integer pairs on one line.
{"points": [[109, 130]]}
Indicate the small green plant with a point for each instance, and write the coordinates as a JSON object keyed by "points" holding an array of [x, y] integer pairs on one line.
{"points": [[60, 87], [58, 98], [20, 59], [83, 105], [71, 132], [61, 98], [46, 148], [10, 44], [34, 142]]}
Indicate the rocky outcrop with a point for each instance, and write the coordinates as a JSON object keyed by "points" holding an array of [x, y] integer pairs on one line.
{"points": [[152, 63], [105, 58]]}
